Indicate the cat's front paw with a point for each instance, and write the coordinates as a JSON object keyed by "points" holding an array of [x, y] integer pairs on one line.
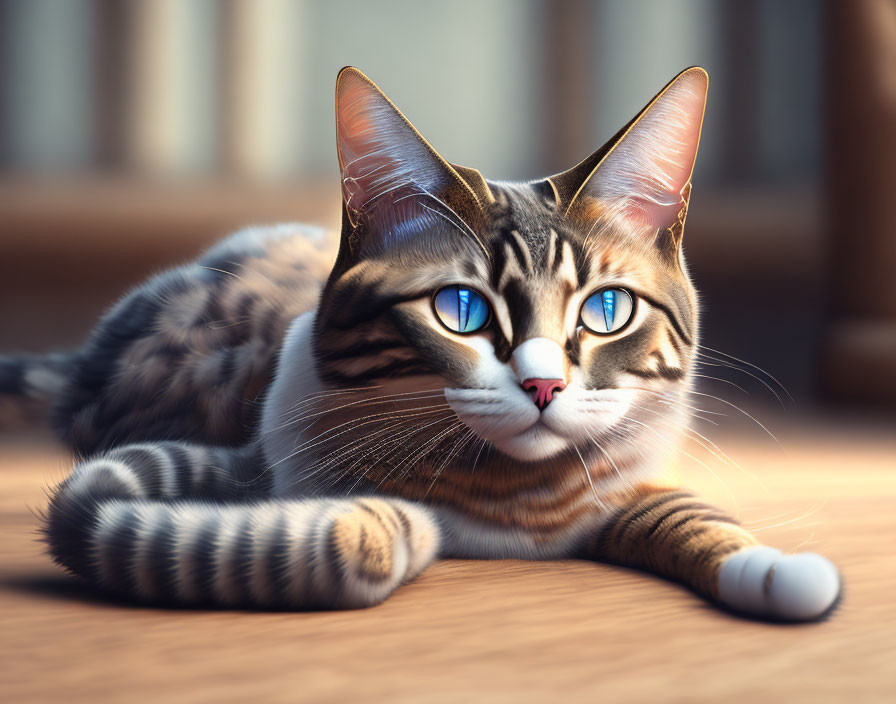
{"points": [[764, 582], [375, 546]]}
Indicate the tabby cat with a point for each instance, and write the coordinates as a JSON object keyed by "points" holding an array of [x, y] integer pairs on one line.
{"points": [[489, 370]]}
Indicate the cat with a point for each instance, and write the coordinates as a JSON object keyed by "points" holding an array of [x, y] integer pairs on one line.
{"points": [[472, 369]]}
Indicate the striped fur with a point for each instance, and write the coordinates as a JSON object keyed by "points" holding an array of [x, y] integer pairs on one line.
{"points": [[259, 432], [173, 522], [673, 534]]}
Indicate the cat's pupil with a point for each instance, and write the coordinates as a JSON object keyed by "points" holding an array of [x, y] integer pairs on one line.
{"points": [[461, 309], [609, 308]]}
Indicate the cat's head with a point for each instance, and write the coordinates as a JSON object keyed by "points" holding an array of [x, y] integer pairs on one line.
{"points": [[551, 314]]}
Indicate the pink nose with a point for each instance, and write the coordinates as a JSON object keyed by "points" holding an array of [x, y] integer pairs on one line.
{"points": [[543, 390]]}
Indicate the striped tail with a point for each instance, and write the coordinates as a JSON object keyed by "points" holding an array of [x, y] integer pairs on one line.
{"points": [[177, 523]]}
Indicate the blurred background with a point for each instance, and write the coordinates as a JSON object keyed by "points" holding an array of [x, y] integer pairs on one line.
{"points": [[135, 133]]}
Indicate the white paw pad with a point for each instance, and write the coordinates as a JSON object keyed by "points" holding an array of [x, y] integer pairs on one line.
{"points": [[762, 581]]}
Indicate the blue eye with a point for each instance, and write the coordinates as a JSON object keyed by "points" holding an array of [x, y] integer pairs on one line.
{"points": [[608, 310], [461, 309]]}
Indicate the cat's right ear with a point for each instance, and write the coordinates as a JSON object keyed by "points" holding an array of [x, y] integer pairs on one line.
{"points": [[644, 172], [381, 153]]}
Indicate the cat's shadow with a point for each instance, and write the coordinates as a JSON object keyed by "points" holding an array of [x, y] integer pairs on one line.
{"points": [[66, 588], [63, 587], [55, 586]]}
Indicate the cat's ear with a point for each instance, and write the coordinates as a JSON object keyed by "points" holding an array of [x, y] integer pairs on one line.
{"points": [[644, 173], [381, 154]]}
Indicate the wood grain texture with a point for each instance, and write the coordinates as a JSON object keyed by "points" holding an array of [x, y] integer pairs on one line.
{"points": [[488, 631]]}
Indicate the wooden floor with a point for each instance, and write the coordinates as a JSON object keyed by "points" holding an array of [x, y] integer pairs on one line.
{"points": [[490, 631]]}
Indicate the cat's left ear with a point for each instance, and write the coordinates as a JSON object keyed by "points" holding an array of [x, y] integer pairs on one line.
{"points": [[381, 153], [644, 173]]}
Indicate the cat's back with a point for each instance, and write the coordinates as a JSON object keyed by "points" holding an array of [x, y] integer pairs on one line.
{"points": [[189, 353]]}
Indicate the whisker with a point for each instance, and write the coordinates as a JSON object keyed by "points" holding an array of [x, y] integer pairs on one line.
{"points": [[695, 459], [590, 480], [707, 445], [739, 410], [483, 443], [361, 402], [609, 459], [328, 392], [721, 380], [395, 445], [419, 453], [811, 512], [373, 445], [314, 442], [665, 395], [701, 357], [749, 364], [462, 442]]}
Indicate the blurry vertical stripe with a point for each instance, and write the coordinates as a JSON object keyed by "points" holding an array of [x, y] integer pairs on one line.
{"points": [[173, 103], [46, 84], [265, 68]]}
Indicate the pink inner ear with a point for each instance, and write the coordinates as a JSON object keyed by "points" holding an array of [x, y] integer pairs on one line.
{"points": [[378, 150], [358, 141], [644, 175]]}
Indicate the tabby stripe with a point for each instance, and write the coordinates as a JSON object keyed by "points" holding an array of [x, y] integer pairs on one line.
{"points": [[654, 527], [101, 475], [558, 252], [683, 538], [499, 264], [325, 565], [718, 517], [671, 529], [114, 539], [523, 249], [158, 563], [142, 516], [241, 560], [306, 522], [662, 372], [366, 307], [204, 559], [622, 526], [181, 460], [362, 349], [140, 460], [714, 551], [404, 367], [673, 342], [672, 318], [228, 536], [267, 530], [273, 563], [228, 365], [190, 523], [511, 241]]}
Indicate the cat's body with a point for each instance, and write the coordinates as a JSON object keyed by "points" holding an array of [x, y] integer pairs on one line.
{"points": [[256, 448]]}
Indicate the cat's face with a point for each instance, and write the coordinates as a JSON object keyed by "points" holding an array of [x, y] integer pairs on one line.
{"points": [[553, 316]]}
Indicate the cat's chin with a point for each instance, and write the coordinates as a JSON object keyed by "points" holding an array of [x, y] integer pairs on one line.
{"points": [[538, 442]]}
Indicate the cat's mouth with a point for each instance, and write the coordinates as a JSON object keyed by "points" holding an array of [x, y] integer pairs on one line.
{"points": [[517, 427], [539, 441]]}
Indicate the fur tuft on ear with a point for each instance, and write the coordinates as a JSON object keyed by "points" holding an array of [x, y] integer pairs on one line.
{"points": [[645, 175], [380, 153]]}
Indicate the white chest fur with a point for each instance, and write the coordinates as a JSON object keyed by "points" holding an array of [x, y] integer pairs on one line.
{"points": [[296, 379]]}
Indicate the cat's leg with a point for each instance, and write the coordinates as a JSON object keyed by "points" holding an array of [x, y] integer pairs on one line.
{"points": [[179, 523], [675, 535]]}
